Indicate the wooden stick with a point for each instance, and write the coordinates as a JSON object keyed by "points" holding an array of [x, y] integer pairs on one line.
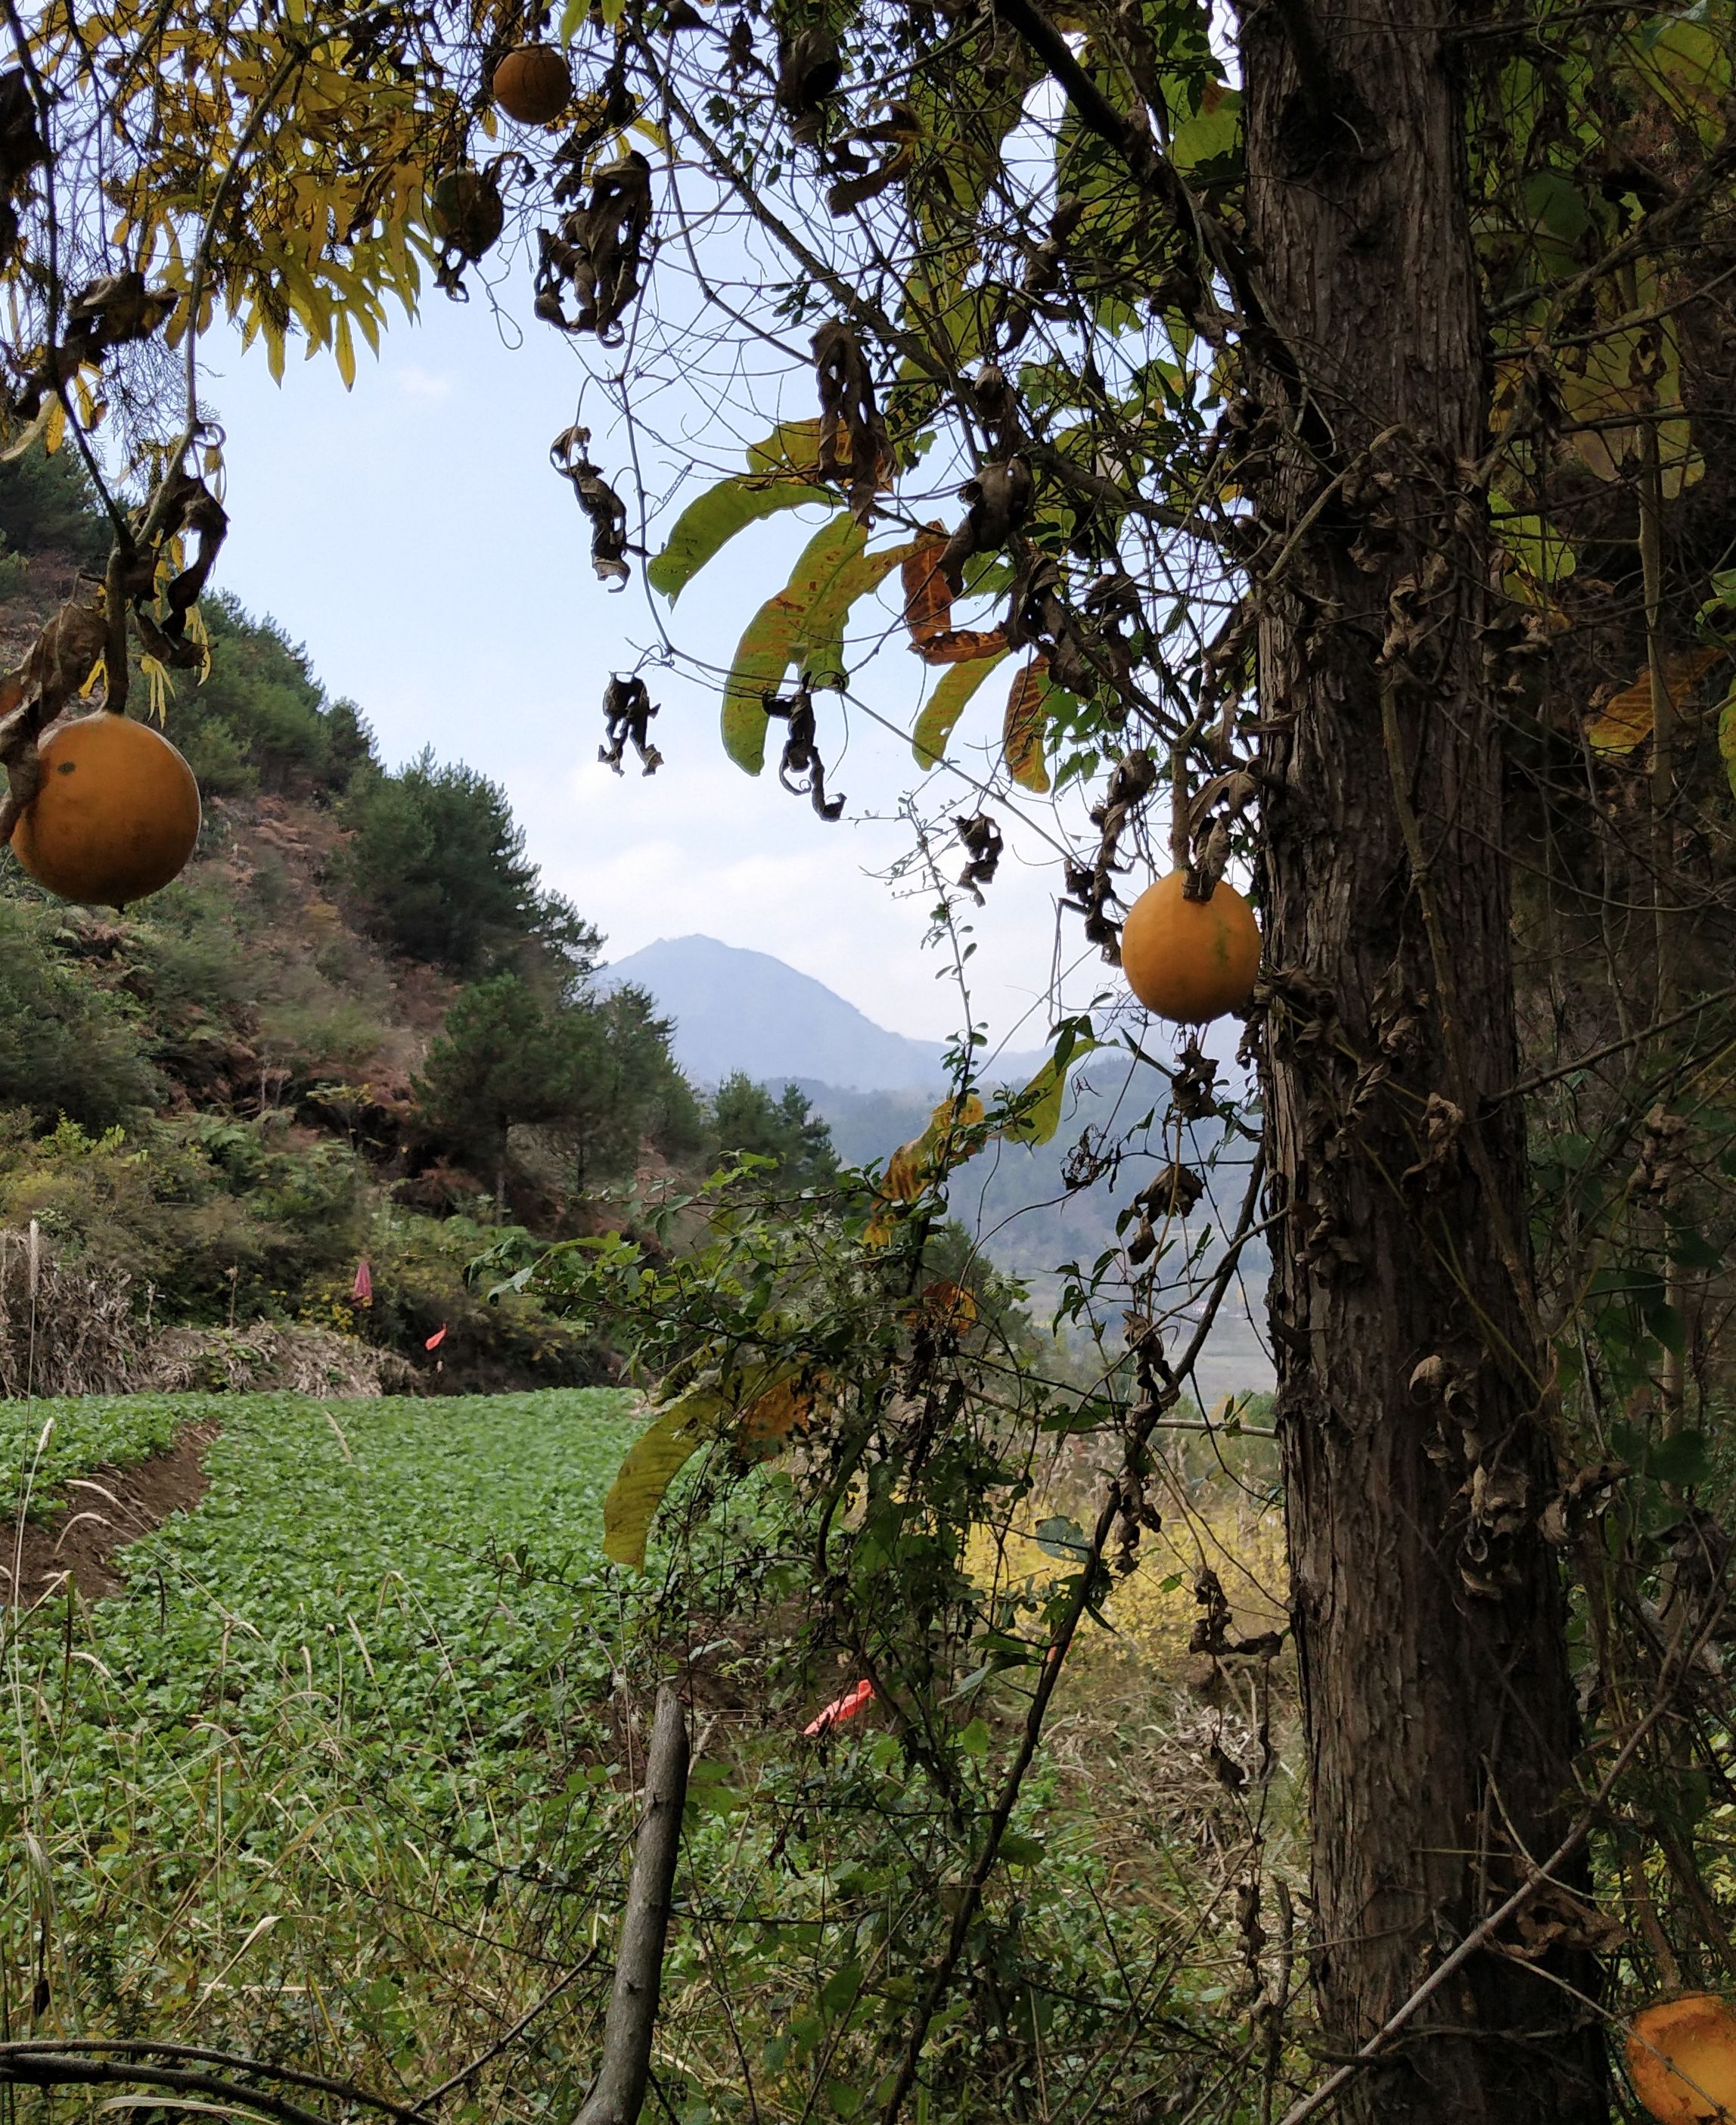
{"points": [[618, 2094]]}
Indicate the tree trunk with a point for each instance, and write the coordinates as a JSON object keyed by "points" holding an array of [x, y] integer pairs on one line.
{"points": [[1428, 1615]]}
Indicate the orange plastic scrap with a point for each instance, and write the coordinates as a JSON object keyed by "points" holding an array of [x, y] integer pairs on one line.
{"points": [[841, 1708]]}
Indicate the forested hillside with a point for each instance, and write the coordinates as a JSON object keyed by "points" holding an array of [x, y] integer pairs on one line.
{"points": [[358, 1029]]}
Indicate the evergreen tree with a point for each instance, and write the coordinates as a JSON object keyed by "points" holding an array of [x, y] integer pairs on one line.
{"points": [[439, 865], [500, 1061], [747, 1118]]}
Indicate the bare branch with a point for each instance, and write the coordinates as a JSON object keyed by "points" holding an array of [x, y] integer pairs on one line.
{"points": [[619, 2092]]}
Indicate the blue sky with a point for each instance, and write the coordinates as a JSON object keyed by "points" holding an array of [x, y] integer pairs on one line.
{"points": [[413, 535]]}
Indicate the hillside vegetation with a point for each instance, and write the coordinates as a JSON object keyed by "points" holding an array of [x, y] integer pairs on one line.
{"points": [[358, 1029]]}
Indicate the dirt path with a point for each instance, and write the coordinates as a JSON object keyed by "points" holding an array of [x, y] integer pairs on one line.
{"points": [[105, 1510]]}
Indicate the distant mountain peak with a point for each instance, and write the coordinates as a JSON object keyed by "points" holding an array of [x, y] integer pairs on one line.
{"points": [[736, 1009]]}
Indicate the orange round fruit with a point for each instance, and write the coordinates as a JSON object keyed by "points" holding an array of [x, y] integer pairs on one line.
{"points": [[1190, 960], [1681, 2058], [116, 816], [532, 83]]}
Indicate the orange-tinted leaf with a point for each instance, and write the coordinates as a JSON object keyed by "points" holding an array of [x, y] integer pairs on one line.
{"points": [[1625, 720], [951, 1306], [916, 1166], [1022, 735], [781, 1410], [928, 596], [928, 608]]}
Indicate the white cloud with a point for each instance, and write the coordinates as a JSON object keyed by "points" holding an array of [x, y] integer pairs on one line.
{"points": [[413, 382]]}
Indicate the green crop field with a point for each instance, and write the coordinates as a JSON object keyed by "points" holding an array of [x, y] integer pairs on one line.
{"points": [[330, 1779], [344, 1780]]}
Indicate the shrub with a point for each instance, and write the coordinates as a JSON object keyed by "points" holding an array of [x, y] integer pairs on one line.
{"points": [[69, 1045]]}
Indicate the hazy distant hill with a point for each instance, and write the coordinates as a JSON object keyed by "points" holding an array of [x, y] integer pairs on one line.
{"points": [[736, 1010]]}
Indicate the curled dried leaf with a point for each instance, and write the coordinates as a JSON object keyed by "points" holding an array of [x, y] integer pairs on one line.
{"points": [[998, 501], [809, 73], [850, 417], [984, 847], [800, 769], [900, 132], [608, 513], [628, 710], [596, 252]]}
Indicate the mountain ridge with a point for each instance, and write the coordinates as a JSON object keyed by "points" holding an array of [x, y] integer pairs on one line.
{"points": [[736, 1009]]}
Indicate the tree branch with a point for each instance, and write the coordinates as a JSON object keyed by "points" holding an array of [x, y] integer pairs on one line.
{"points": [[618, 2094], [346, 2091]]}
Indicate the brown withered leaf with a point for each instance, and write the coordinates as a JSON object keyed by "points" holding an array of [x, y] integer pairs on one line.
{"points": [[571, 458], [998, 500], [928, 608], [898, 132], [946, 1309], [809, 73], [596, 252], [771, 1417]]}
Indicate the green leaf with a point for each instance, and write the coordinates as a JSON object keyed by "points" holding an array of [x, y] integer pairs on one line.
{"points": [[657, 1457], [1538, 550], [945, 705], [1059, 1536], [838, 1995], [712, 519], [1046, 1091], [1208, 135], [1727, 739], [1020, 1851], [1556, 203], [792, 448], [766, 650], [1682, 1458], [819, 646]]}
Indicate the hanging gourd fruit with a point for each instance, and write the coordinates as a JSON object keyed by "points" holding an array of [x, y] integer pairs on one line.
{"points": [[533, 84], [116, 815], [1190, 960], [1682, 2059], [466, 212]]}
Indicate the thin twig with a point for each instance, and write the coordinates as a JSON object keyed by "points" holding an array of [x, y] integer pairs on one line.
{"points": [[511, 2037]]}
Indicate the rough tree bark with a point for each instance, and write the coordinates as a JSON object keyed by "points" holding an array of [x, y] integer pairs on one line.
{"points": [[1428, 1615]]}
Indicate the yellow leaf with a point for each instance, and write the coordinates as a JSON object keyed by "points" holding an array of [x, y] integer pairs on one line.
{"points": [[1625, 720], [915, 1166]]}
